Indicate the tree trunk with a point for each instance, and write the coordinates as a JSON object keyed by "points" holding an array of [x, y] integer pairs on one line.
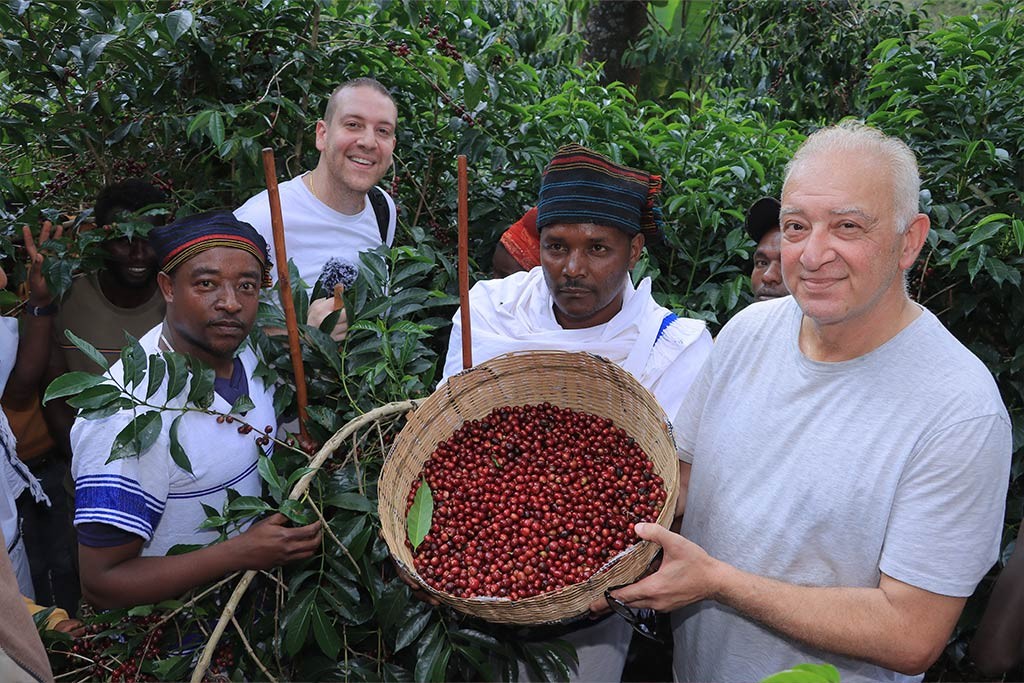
{"points": [[611, 26]]}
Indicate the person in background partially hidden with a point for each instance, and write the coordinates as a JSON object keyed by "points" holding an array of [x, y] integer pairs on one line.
{"points": [[762, 225], [850, 526], [998, 644], [23, 358], [131, 511]]}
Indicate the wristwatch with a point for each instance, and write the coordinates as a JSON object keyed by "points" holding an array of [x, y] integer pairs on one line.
{"points": [[40, 311]]}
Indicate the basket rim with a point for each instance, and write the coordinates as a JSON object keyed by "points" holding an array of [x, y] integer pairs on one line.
{"points": [[446, 401]]}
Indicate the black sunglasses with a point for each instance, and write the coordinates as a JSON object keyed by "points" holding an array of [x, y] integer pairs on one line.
{"points": [[643, 620]]}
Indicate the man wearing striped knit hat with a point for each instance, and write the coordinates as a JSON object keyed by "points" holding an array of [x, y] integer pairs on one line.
{"points": [[593, 217], [131, 511]]}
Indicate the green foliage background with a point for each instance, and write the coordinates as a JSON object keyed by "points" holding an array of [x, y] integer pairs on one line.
{"points": [[186, 93]]}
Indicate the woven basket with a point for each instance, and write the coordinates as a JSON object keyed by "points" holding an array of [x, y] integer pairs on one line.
{"points": [[579, 381]]}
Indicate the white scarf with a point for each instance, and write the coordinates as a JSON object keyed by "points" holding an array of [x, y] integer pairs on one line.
{"points": [[16, 475], [516, 314]]}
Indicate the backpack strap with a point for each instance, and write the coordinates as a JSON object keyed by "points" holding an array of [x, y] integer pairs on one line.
{"points": [[381, 210]]}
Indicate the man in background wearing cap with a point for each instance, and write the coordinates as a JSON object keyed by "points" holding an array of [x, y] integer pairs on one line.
{"points": [[594, 218], [336, 210], [131, 511], [763, 227]]}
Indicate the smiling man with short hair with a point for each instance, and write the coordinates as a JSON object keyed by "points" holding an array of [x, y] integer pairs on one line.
{"points": [[337, 210], [850, 524]]}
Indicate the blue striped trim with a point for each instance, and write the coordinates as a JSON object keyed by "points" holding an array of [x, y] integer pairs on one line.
{"points": [[574, 199], [116, 500], [600, 218], [213, 489], [124, 522], [128, 485], [668, 320], [639, 193]]}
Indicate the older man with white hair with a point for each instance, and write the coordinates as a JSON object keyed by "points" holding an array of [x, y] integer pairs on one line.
{"points": [[850, 526]]}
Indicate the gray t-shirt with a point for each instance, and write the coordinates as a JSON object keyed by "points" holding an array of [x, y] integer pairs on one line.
{"points": [[825, 474]]}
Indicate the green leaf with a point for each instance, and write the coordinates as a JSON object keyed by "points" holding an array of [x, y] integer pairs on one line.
{"points": [[323, 416], [352, 501], [177, 23], [177, 373], [157, 370], [88, 349], [297, 512], [242, 405], [805, 673], [215, 128], [200, 392], [178, 454], [413, 626], [95, 398], [421, 515], [432, 662], [137, 436], [107, 410], [71, 383], [325, 633], [392, 604], [199, 121], [248, 506], [297, 618], [268, 472], [133, 361]]}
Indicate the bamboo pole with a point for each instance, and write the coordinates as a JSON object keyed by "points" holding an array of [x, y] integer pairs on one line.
{"points": [[285, 289], [467, 343]]}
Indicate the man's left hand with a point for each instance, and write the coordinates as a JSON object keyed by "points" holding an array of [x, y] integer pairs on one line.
{"points": [[39, 293], [685, 576], [319, 309]]}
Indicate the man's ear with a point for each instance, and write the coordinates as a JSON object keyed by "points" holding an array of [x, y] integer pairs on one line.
{"points": [[913, 240], [166, 285], [321, 135], [636, 247]]}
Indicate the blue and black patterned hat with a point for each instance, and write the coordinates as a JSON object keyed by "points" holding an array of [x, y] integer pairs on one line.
{"points": [[582, 186], [179, 241]]}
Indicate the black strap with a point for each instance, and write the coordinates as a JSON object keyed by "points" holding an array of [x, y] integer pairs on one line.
{"points": [[381, 210]]}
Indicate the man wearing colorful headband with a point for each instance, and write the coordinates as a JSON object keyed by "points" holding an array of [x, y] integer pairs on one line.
{"points": [[594, 218], [131, 511]]}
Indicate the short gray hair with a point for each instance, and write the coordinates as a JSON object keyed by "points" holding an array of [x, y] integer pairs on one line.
{"points": [[854, 136]]}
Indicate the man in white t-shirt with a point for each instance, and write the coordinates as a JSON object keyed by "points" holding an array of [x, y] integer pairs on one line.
{"points": [[336, 210], [846, 457]]}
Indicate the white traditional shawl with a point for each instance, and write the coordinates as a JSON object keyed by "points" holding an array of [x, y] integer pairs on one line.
{"points": [[16, 474], [516, 313]]}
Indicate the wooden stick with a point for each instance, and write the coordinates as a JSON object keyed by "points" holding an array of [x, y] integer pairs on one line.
{"points": [[285, 288], [339, 293], [467, 343]]}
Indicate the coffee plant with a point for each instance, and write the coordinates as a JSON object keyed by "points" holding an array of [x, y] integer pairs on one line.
{"points": [[185, 93]]}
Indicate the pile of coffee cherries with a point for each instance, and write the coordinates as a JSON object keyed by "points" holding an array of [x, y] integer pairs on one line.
{"points": [[531, 499]]}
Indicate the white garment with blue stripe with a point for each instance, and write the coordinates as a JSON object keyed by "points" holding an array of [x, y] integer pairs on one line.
{"points": [[515, 313], [663, 351], [151, 496]]}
